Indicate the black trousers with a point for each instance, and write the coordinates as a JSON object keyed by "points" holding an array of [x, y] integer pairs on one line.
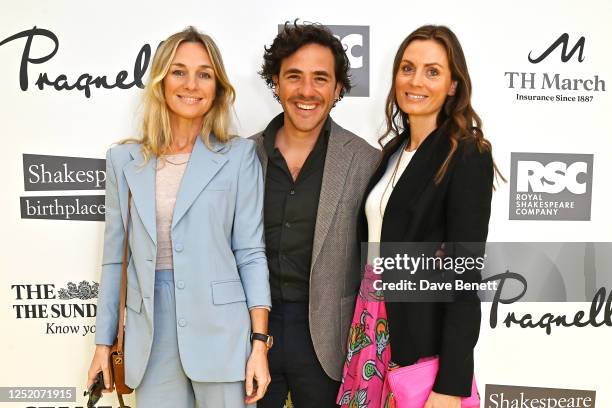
{"points": [[294, 366]]}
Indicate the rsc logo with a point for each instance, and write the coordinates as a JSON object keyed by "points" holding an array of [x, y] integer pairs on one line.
{"points": [[551, 186], [552, 178], [356, 42]]}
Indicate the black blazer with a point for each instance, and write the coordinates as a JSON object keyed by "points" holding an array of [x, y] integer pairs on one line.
{"points": [[455, 210]]}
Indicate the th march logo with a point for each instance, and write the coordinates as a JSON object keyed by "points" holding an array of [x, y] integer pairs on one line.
{"points": [[563, 42], [551, 86], [356, 42], [551, 186]]}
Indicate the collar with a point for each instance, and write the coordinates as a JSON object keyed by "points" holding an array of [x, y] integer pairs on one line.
{"points": [[269, 134]]}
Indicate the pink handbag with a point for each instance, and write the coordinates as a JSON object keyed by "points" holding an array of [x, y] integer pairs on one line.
{"points": [[410, 386]]}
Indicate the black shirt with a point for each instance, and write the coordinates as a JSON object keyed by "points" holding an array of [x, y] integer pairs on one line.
{"points": [[290, 214]]}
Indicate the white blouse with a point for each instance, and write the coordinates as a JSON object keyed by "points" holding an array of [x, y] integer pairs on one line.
{"points": [[377, 200]]}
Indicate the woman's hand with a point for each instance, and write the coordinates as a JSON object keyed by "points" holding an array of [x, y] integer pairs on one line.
{"points": [[100, 363], [257, 371], [436, 400]]}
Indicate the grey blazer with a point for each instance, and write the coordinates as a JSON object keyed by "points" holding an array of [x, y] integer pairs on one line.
{"points": [[335, 270]]}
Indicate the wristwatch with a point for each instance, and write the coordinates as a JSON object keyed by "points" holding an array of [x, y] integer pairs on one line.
{"points": [[266, 338]]}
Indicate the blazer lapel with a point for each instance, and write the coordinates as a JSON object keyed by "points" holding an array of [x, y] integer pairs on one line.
{"points": [[261, 153], [419, 173], [337, 162], [141, 181], [203, 164]]}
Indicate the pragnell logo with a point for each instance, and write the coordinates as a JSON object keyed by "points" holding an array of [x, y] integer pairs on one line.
{"points": [[85, 81], [600, 304], [34, 301], [554, 81]]}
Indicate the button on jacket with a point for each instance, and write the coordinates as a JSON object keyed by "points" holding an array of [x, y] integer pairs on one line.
{"points": [[220, 267]]}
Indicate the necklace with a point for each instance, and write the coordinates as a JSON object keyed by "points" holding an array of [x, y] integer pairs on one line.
{"points": [[391, 181], [176, 163]]}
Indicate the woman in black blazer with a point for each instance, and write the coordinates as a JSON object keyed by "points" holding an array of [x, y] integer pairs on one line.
{"points": [[433, 184]]}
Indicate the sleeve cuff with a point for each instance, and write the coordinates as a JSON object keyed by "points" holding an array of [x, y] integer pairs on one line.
{"points": [[268, 308]]}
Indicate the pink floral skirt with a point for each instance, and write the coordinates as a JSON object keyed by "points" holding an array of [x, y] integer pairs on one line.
{"points": [[368, 356]]}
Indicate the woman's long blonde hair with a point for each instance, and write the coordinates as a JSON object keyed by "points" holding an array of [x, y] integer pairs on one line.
{"points": [[156, 131]]}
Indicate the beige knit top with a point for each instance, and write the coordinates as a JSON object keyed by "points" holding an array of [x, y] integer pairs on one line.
{"points": [[170, 170]]}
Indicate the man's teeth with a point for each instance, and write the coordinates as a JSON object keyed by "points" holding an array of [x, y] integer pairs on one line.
{"points": [[307, 107], [416, 97]]}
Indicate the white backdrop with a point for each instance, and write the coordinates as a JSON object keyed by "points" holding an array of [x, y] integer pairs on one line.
{"points": [[104, 38]]}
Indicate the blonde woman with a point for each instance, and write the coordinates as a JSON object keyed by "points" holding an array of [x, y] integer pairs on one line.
{"points": [[197, 275]]}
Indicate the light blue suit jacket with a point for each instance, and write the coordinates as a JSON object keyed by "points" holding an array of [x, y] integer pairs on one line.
{"points": [[220, 267]]}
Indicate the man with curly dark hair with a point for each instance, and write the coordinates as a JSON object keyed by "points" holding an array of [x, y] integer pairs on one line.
{"points": [[315, 175]]}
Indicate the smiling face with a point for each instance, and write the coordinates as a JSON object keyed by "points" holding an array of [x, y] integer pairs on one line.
{"points": [[189, 85], [307, 88], [423, 80]]}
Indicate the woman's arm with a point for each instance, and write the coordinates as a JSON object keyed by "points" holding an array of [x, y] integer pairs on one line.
{"points": [[248, 230], [468, 207], [110, 281], [112, 258], [249, 251]]}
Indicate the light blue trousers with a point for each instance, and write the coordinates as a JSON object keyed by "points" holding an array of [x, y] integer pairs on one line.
{"points": [[165, 384]]}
